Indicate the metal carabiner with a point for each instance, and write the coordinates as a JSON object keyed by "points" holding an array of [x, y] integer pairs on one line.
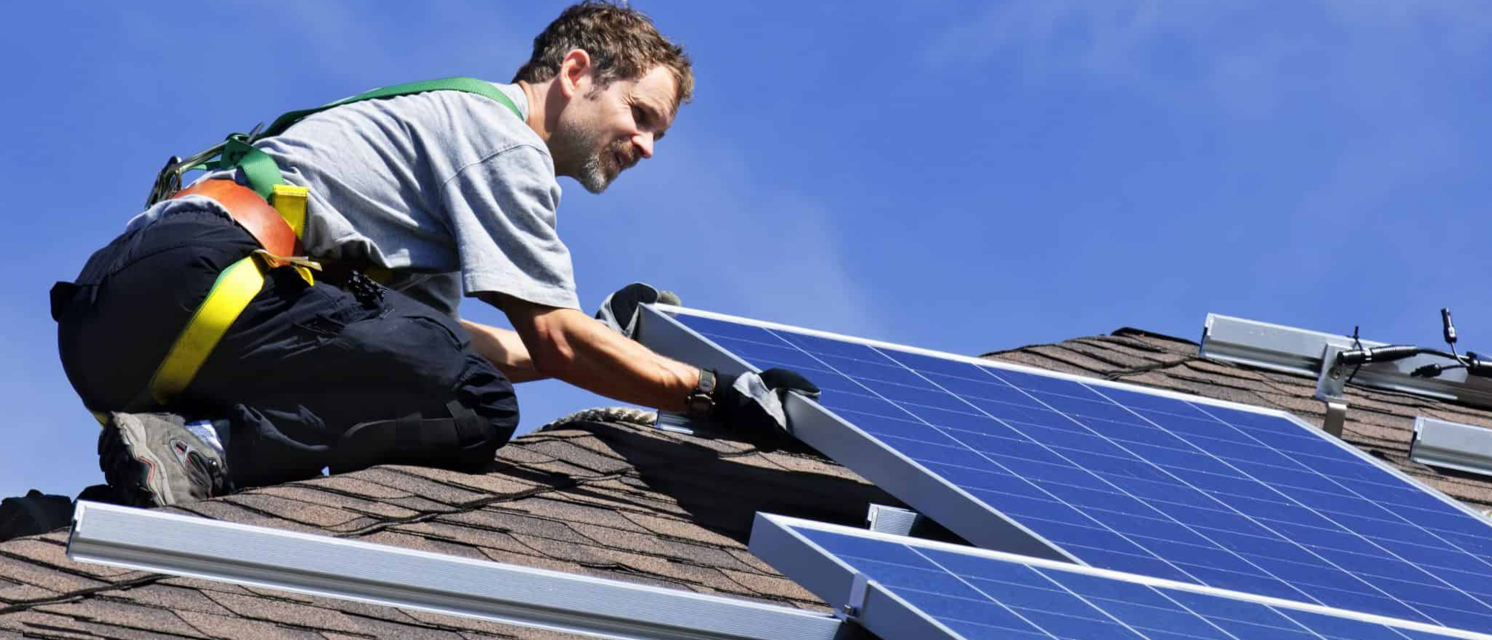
{"points": [[167, 182]]}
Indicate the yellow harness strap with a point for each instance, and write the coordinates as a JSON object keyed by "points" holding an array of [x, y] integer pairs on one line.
{"points": [[291, 203], [230, 294], [235, 287]]}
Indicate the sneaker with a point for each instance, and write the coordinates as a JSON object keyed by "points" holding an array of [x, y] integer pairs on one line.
{"points": [[153, 460]]}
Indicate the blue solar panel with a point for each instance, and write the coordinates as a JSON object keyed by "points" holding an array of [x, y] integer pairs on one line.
{"points": [[1131, 480], [983, 595]]}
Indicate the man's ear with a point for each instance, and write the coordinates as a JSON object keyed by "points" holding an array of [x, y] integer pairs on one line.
{"points": [[575, 68]]}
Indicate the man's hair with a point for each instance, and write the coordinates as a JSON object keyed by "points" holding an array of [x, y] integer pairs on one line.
{"points": [[623, 45]]}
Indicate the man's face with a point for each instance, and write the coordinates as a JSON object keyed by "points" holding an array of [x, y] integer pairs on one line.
{"points": [[605, 131]]}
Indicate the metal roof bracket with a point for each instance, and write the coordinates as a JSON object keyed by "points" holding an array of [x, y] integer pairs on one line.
{"points": [[855, 603], [1331, 389]]}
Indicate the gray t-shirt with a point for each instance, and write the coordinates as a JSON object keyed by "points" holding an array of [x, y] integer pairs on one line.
{"points": [[448, 189]]}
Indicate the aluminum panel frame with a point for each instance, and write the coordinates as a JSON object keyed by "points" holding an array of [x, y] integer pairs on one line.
{"points": [[794, 554], [863, 453], [681, 339]]}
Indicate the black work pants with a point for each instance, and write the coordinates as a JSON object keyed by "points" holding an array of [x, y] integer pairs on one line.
{"points": [[300, 366]]}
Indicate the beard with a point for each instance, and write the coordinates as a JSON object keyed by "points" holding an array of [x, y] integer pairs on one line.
{"points": [[600, 162]]}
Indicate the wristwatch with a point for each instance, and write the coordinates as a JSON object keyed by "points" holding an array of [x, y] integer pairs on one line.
{"points": [[701, 401]]}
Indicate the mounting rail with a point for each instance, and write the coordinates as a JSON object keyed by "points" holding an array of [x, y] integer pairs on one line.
{"points": [[1451, 445], [380, 574], [1281, 348], [1312, 353]]}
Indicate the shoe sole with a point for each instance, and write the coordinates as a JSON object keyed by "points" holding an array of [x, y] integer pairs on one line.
{"points": [[134, 476]]}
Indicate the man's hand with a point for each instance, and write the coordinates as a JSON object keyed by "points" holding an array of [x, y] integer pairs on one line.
{"points": [[619, 310], [752, 403]]}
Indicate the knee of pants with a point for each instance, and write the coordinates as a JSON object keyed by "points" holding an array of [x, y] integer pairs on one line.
{"points": [[464, 441], [481, 451], [487, 392], [487, 395]]}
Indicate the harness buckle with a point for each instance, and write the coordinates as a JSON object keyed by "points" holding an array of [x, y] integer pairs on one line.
{"points": [[167, 182], [302, 266]]}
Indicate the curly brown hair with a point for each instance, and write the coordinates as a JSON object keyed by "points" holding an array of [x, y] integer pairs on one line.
{"points": [[623, 45]]}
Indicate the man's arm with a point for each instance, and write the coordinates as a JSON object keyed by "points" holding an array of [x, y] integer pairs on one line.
{"points": [[578, 349], [505, 349]]}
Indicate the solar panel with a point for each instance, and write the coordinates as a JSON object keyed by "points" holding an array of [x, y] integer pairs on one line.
{"points": [[907, 588], [1125, 478]]}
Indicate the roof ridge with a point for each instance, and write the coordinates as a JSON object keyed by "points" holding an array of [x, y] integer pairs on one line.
{"points": [[1131, 331]]}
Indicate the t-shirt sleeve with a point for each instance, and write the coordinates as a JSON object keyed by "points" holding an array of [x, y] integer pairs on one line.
{"points": [[502, 215]]}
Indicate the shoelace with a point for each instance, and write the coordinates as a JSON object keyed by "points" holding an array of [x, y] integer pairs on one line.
{"points": [[208, 470]]}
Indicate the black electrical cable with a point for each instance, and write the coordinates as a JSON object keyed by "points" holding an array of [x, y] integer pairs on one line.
{"points": [[1356, 345], [1448, 329], [1360, 355]]}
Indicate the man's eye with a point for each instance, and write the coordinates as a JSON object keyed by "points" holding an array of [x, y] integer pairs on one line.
{"points": [[638, 116]]}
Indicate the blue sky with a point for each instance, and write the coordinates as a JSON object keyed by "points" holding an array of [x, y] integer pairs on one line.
{"points": [[958, 176]]}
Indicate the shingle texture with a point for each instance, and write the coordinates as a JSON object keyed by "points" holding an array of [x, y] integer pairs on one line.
{"points": [[604, 497]]}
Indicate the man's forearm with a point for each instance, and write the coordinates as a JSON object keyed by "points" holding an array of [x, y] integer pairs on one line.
{"points": [[505, 349], [576, 348], [612, 365]]}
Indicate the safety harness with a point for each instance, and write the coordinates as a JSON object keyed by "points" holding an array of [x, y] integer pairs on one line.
{"points": [[269, 209]]}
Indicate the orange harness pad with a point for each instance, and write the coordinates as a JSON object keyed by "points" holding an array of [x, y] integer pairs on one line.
{"points": [[252, 213]]}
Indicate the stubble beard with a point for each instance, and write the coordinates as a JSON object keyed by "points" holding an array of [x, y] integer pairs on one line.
{"points": [[597, 170], [592, 174]]}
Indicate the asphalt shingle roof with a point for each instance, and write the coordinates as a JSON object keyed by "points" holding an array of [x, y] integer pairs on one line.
{"points": [[605, 496]]}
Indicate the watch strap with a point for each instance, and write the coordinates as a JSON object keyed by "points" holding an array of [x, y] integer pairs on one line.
{"points": [[701, 401]]}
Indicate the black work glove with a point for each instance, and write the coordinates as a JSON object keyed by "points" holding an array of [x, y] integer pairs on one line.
{"points": [[619, 310], [751, 404]]}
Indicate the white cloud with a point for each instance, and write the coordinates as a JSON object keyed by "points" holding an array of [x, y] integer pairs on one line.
{"points": [[1107, 39], [1246, 58]]}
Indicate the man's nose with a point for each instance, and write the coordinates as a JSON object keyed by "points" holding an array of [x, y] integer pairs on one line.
{"points": [[644, 143]]}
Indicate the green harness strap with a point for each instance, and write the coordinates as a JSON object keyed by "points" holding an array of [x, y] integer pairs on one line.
{"points": [[261, 170]]}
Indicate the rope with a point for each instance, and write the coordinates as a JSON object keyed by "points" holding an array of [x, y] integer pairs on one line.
{"points": [[632, 415]]}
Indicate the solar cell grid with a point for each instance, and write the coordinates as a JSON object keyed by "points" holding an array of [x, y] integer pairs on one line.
{"points": [[1153, 484], [981, 595]]}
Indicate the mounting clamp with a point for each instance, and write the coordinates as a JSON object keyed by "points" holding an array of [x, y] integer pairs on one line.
{"points": [[854, 605]]}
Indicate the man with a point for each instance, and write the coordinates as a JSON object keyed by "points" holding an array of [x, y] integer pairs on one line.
{"points": [[448, 192]]}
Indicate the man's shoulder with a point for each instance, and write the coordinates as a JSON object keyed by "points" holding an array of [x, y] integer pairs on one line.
{"points": [[460, 124], [489, 129]]}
